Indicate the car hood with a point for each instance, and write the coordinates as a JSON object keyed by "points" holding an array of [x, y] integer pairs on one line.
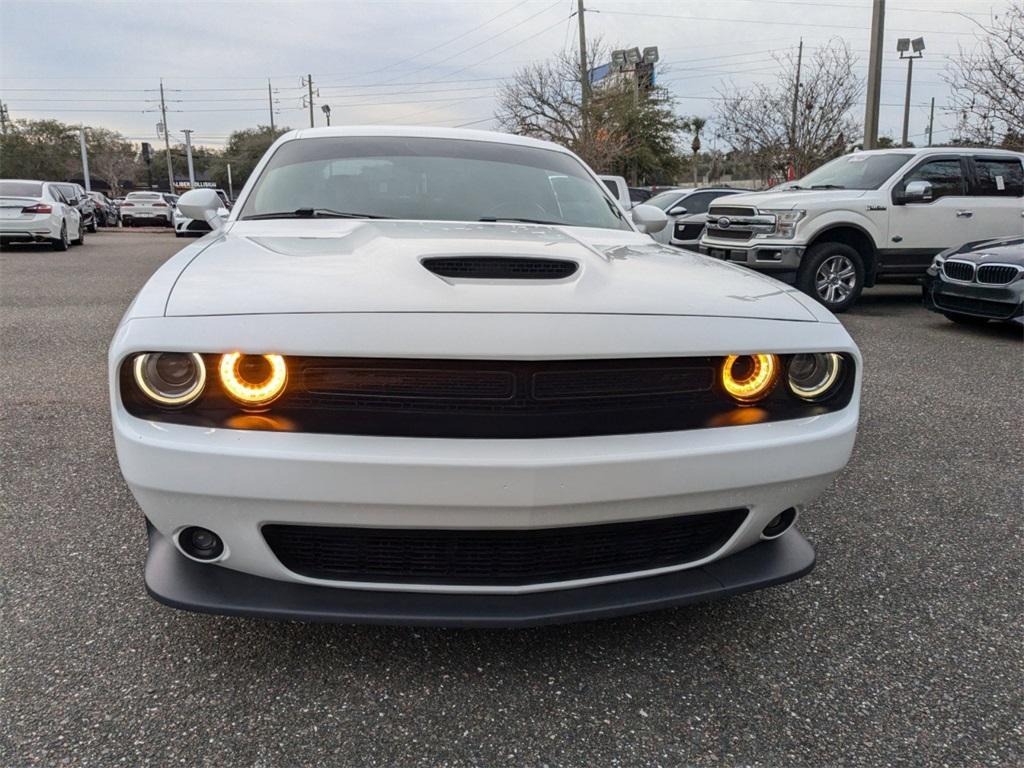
{"points": [[1002, 251], [297, 266], [804, 199]]}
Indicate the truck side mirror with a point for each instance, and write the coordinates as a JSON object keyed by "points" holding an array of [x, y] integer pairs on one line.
{"points": [[916, 192]]}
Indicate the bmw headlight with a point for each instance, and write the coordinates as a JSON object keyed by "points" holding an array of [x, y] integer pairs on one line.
{"points": [[785, 222]]}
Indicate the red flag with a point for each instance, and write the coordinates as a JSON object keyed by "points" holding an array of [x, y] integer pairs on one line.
{"points": [[790, 173]]}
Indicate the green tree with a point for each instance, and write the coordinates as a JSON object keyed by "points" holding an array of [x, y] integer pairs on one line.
{"points": [[39, 149], [243, 151]]}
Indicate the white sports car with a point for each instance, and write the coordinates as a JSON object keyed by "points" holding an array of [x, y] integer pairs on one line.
{"points": [[437, 376]]}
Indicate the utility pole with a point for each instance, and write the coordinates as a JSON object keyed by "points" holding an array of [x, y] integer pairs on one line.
{"points": [[931, 122], [188, 155], [270, 101], [874, 75], [796, 103], [231, 189], [4, 118], [167, 139], [584, 73], [85, 158], [308, 81]]}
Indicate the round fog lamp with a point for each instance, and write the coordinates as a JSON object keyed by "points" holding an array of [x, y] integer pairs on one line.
{"points": [[749, 378], [253, 379], [170, 378], [813, 377]]}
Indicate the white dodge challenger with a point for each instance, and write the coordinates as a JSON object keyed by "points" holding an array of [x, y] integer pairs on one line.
{"points": [[436, 376]]}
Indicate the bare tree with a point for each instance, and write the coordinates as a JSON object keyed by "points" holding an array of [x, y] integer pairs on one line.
{"points": [[626, 132], [988, 83], [758, 121]]}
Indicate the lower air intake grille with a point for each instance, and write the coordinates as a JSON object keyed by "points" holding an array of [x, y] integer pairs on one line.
{"points": [[497, 268], [498, 557], [688, 231], [997, 310], [997, 274], [729, 234]]}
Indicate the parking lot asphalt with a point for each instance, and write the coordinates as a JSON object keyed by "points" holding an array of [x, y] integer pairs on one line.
{"points": [[903, 647]]}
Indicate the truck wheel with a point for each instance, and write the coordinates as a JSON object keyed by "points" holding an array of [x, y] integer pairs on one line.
{"points": [[832, 273]]}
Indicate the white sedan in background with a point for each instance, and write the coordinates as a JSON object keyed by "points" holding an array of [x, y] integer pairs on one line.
{"points": [[437, 376], [147, 207], [37, 212], [687, 213]]}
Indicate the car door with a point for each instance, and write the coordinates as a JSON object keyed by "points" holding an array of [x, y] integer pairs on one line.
{"points": [[689, 226], [919, 230], [997, 196]]}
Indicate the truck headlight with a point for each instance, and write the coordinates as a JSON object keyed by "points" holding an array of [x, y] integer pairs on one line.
{"points": [[785, 222]]}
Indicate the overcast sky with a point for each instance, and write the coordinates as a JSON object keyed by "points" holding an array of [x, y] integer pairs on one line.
{"points": [[434, 62]]}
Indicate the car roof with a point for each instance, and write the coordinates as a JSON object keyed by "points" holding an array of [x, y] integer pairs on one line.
{"points": [[423, 132], [916, 151]]}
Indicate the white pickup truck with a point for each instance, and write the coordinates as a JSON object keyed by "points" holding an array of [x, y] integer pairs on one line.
{"points": [[868, 216]]}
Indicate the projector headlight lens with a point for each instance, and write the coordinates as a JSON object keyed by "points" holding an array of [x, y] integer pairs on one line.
{"points": [[171, 379], [815, 377], [749, 378], [253, 380]]}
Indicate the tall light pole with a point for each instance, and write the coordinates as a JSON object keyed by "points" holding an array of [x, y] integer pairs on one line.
{"points": [[188, 156], [874, 75], [85, 159], [584, 74], [904, 45]]}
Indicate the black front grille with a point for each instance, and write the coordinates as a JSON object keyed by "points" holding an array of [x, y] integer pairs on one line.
{"points": [[959, 270], [195, 225], [486, 399], [498, 268], [688, 231], [498, 557], [729, 234], [731, 210], [996, 274], [997, 310]]}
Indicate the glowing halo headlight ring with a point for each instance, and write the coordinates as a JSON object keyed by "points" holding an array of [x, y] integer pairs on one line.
{"points": [[749, 378], [242, 388], [814, 377], [170, 379]]}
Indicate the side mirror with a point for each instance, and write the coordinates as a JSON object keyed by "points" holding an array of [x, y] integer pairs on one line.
{"points": [[917, 192], [204, 205], [677, 210], [649, 218]]}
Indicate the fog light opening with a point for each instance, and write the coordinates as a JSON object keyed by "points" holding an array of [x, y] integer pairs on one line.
{"points": [[200, 543], [779, 524]]}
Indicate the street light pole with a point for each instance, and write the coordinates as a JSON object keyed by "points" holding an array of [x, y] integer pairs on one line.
{"points": [[85, 159], [903, 45], [188, 156], [167, 140]]}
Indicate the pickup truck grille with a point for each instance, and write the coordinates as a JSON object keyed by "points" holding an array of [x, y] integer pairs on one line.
{"points": [[729, 234], [498, 557], [731, 210]]}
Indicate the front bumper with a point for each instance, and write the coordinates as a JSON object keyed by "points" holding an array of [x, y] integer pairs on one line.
{"points": [[764, 256], [179, 582], [994, 302]]}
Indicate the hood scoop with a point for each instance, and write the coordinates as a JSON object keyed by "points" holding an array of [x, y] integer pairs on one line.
{"points": [[500, 267]]}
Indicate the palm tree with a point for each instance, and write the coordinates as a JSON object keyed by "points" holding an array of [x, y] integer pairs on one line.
{"points": [[695, 125]]}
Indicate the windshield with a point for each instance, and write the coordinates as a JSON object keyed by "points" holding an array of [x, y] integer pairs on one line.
{"points": [[664, 200], [856, 171], [21, 189], [418, 178]]}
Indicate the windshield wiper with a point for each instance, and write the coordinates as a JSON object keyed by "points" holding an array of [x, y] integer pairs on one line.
{"points": [[495, 219], [828, 186], [313, 213]]}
